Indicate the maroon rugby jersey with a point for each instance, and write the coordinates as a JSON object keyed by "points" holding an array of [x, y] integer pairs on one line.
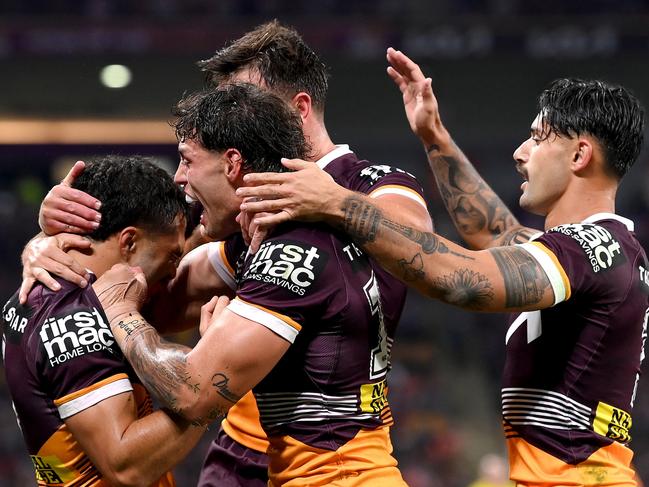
{"points": [[572, 370], [60, 358], [343, 309]]}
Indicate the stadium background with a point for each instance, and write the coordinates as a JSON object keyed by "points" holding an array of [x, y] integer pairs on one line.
{"points": [[488, 60]]}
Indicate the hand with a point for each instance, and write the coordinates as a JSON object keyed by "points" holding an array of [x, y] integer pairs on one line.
{"points": [[419, 101], [212, 310], [308, 194], [252, 234], [66, 209], [45, 255], [121, 290]]}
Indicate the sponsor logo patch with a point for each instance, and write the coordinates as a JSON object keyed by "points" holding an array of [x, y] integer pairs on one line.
{"points": [[375, 173], [601, 249], [50, 470], [15, 318], [374, 397], [287, 263], [612, 422], [75, 334]]}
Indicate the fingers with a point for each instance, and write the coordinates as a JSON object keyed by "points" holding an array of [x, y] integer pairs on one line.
{"points": [[266, 205], [266, 191], [272, 219], [74, 173], [69, 241], [210, 310], [63, 266], [266, 178], [221, 304], [257, 238], [405, 66], [296, 164], [25, 287], [63, 221]]}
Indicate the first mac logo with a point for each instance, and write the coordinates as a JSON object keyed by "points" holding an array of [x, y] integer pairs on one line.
{"points": [[75, 334]]}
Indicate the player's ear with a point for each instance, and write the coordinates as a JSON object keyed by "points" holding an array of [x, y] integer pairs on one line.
{"points": [[583, 154], [128, 242], [303, 105], [233, 164]]}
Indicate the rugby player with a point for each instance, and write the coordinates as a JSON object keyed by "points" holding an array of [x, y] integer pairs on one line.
{"points": [[306, 329], [84, 414]]}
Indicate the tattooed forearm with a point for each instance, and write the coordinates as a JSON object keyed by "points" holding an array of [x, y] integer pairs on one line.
{"points": [[220, 383], [162, 366], [465, 288], [361, 219], [429, 242], [131, 325], [471, 203], [413, 269], [525, 281]]}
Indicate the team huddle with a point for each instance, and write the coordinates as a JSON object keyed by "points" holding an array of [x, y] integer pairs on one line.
{"points": [[296, 278]]}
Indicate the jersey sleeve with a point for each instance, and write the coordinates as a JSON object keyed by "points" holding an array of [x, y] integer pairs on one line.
{"points": [[77, 359], [576, 257], [289, 282], [223, 265], [380, 179]]}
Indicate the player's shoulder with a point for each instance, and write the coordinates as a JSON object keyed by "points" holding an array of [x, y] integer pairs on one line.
{"points": [[605, 241]]}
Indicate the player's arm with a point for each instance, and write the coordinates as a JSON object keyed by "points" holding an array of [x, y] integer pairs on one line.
{"points": [[202, 383], [178, 306], [512, 278], [479, 215], [64, 214], [129, 451], [273, 198]]}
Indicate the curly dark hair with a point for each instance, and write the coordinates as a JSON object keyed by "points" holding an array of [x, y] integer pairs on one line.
{"points": [[242, 116], [280, 56], [133, 191], [610, 113]]}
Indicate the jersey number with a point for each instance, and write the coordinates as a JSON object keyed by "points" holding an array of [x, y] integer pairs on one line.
{"points": [[380, 355]]}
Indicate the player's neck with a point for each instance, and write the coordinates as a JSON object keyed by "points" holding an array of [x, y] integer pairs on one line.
{"points": [[318, 139], [100, 257], [578, 206]]}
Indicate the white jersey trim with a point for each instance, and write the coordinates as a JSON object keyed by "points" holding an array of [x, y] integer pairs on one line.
{"points": [[597, 217], [264, 318], [401, 192], [339, 151], [548, 409], [215, 254], [95, 396], [551, 270]]}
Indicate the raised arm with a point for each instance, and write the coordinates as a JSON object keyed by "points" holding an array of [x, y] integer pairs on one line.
{"points": [[202, 383], [479, 215]]}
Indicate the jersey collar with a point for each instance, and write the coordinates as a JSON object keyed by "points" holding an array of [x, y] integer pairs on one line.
{"points": [[610, 216], [339, 151]]}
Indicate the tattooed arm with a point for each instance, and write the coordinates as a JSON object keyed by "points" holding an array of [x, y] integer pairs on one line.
{"points": [[479, 215], [498, 279], [202, 383]]}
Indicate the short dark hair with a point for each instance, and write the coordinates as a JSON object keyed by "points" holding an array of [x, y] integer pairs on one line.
{"points": [[610, 113], [280, 56], [133, 191], [244, 117]]}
